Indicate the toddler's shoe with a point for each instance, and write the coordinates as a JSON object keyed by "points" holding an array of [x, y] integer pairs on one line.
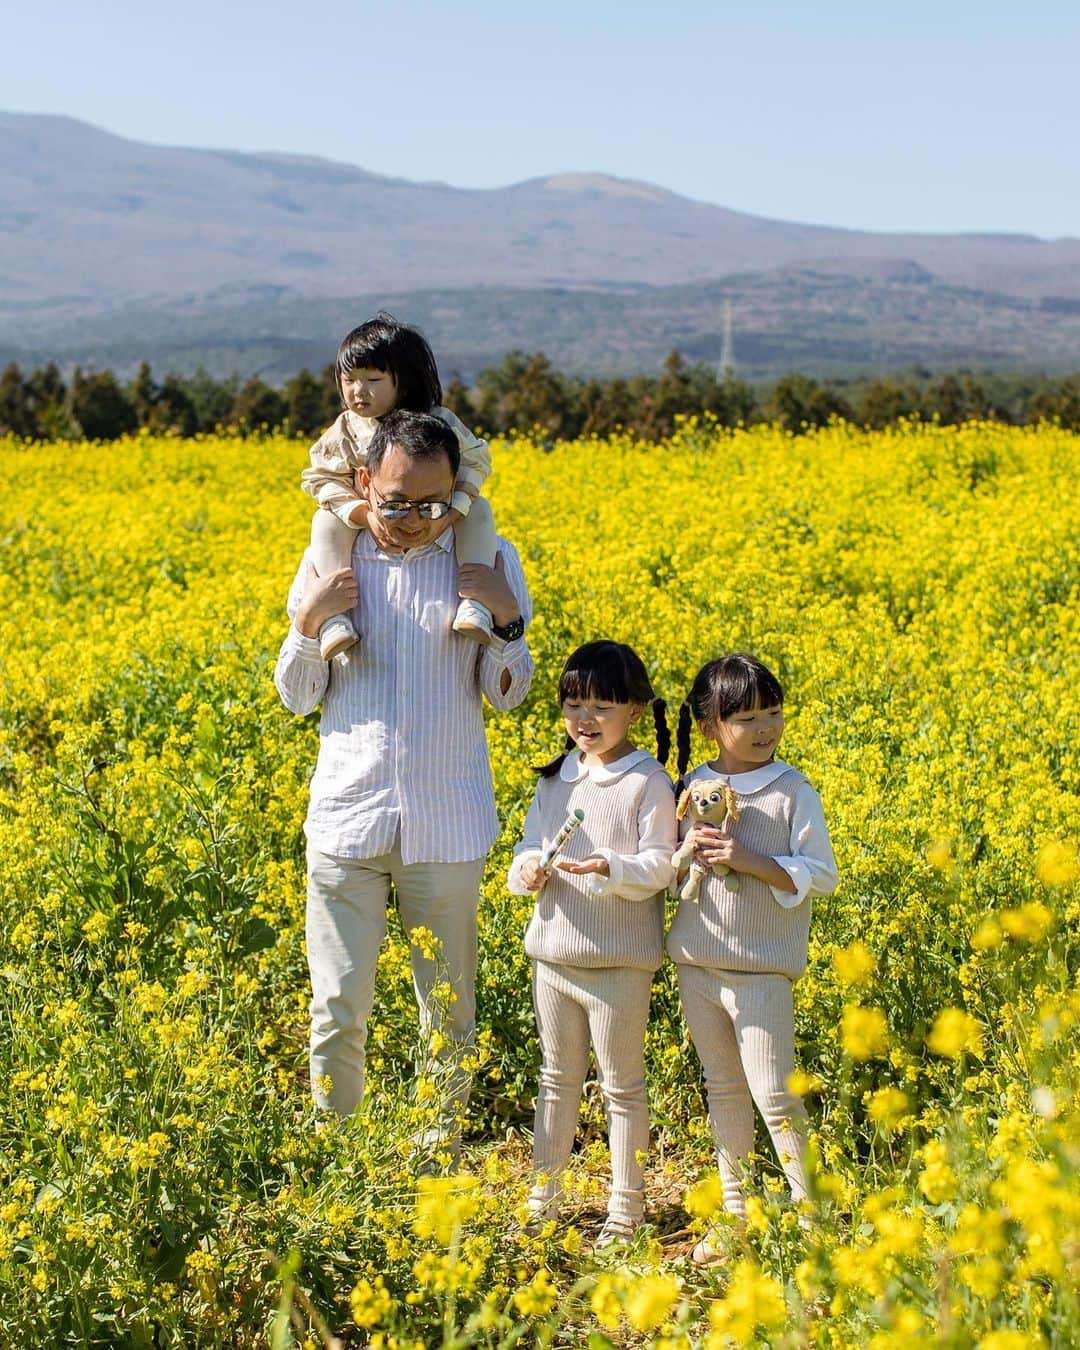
{"points": [[473, 620], [337, 635]]}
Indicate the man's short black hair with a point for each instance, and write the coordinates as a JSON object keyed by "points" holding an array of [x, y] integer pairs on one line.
{"points": [[418, 435]]}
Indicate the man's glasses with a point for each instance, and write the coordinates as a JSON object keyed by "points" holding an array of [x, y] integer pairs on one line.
{"points": [[398, 510]]}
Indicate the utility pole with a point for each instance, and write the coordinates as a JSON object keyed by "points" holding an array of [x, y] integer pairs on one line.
{"points": [[727, 346]]}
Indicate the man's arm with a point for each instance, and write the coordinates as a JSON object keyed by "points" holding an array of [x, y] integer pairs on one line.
{"points": [[506, 668], [301, 675]]}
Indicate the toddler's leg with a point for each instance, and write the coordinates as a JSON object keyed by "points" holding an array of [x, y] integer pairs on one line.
{"points": [[563, 1025], [765, 1029], [705, 997], [475, 542], [331, 549], [618, 1015]]}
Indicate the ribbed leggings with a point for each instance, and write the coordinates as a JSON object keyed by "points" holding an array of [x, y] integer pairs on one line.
{"points": [[611, 1008], [743, 1029]]}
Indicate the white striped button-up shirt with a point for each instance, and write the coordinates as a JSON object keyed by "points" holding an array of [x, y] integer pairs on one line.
{"points": [[402, 741]]}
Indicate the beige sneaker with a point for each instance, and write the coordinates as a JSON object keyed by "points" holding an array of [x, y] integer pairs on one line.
{"points": [[473, 620], [337, 635]]}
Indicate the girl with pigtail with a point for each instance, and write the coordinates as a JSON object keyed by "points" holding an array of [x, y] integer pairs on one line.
{"points": [[740, 944], [596, 932]]}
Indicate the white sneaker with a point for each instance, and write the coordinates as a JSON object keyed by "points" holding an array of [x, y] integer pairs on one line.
{"points": [[337, 635], [473, 620], [616, 1231]]}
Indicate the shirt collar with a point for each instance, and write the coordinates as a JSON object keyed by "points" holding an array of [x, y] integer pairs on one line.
{"points": [[368, 545], [573, 769], [753, 780]]}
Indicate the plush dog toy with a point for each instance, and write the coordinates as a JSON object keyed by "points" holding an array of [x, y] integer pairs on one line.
{"points": [[712, 801]]}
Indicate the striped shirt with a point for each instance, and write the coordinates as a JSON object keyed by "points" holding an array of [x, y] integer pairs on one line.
{"points": [[401, 738]]}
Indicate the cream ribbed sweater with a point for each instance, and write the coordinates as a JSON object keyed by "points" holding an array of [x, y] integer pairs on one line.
{"points": [[743, 927], [572, 924]]}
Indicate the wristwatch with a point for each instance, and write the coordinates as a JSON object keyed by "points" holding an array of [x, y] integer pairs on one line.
{"points": [[511, 631]]}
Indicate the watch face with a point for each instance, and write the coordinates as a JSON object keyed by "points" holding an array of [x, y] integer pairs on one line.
{"points": [[511, 631]]}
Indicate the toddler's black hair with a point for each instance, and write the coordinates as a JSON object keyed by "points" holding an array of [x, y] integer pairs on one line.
{"points": [[399, 350], [731, 684], [613, 673]]}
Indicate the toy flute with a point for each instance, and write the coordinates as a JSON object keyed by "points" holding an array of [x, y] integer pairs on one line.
{"points": [[569, 825]]}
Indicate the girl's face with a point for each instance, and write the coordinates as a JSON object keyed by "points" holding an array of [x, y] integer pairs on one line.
{"points": [[747, 739], [368, 392], [600, 729]]}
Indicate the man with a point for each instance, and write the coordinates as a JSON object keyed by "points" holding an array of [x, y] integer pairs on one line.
{"points": [[402, 791]]}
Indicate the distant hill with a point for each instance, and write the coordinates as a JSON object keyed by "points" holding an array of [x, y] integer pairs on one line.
{"points": [[111, 250]]}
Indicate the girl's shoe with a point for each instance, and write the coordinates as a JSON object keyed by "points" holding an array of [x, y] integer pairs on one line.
{"points": [[473, 620], [615, 1231], [337, 635], [706, 1254]]}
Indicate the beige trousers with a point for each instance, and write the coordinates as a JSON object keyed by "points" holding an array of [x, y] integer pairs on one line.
{"points": [[610, 1008], [743, 1029], [346, 924]]}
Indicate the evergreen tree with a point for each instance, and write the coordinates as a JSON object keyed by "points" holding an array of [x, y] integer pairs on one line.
{"points": [[100, 406], [16, 406], [257, 406], [304, 399]]}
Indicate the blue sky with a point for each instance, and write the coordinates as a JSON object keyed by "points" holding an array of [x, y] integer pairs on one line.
{"points": [[949, 116]]}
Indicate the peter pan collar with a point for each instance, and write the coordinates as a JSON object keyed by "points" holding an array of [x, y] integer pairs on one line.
{"points": [[573, 769], [745, 784]]}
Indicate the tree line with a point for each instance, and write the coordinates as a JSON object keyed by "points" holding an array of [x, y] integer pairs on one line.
{"points": [[525, 391]]}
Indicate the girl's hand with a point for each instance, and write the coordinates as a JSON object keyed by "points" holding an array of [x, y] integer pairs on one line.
{"points": [[701, 836], [532, 875], [335, 593], [587, 867], [728, 852]]}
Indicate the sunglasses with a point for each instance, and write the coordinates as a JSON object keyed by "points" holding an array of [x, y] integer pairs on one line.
{"points": [[398, 510]]}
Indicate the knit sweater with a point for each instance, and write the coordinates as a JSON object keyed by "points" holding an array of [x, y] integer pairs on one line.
{"points": [[575, 922], [742, 926], [342, 449]]}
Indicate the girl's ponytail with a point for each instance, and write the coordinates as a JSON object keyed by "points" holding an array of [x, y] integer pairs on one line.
{"points": [[663, 735], [683, 736], [553, 766]]}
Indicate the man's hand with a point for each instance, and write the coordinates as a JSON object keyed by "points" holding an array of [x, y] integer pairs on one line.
{"points": [[532, 875], [490, 587], [587, 867], [335, 593]]}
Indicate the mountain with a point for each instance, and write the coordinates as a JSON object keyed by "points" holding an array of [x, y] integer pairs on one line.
{"points": [[106, 242]]}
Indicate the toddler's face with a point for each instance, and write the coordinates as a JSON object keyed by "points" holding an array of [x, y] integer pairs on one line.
{"points": [[368, 392]]}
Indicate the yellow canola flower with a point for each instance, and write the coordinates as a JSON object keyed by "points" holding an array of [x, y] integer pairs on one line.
{"points": [[864, 1033], [937, 1180], [650, 1299], [754, 1301], [1029, 923], [370, 1303], [443, 1205], [854, 964], [887, 1107], [955, 1033], [1057, 864]]}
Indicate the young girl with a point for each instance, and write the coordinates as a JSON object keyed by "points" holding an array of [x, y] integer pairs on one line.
{"points": [[596, 933], [739, 946], [380, 366]]}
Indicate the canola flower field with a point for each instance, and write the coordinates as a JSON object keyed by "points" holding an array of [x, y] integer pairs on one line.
{"points": [[161, 1180]]}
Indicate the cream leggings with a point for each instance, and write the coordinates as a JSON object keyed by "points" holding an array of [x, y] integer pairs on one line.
{"points": [[332, 540], [743, 1029], [610, 1008]]}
